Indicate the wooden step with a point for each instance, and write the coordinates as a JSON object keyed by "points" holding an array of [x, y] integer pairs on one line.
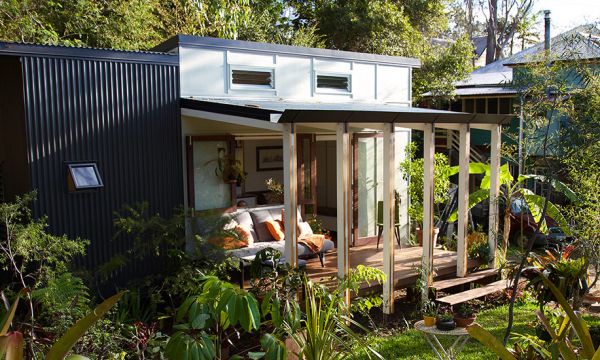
{"points": [[474, 293], [470, 278]]}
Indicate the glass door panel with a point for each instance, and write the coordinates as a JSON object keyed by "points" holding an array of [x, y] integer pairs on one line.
{"points": [[210, 191], [368, 178]]}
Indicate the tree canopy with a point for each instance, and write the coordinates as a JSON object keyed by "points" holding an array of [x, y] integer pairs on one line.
{"points": [[390, 27]]}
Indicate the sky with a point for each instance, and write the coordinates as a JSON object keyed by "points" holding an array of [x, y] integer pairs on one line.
{"points": [[567, 14]]}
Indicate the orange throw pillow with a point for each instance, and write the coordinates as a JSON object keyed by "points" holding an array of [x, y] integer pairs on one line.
{"points": [[245, 234], [243, 239], [275, 228]]}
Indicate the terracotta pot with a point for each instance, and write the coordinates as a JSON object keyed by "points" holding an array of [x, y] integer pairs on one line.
{"points": [[429, 320], [436, 232], [464, 322], [445, 325]]}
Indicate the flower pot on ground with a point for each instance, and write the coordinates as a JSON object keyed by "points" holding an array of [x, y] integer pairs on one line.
{"points": [[436, 232], [445, 322], [465, 315]]}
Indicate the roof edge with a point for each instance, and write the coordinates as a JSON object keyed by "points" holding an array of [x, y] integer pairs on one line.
{"points": [[25, 49], [201, 41]]}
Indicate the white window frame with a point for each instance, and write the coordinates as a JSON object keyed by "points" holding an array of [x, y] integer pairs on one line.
{"points": [[249, 87], [329, 91]]}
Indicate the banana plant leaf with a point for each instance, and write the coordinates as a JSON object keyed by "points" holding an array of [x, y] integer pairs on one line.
{"points": [[12, 345], [7, 321]]}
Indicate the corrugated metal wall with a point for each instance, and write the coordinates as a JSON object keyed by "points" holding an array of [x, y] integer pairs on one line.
{"points": [[123, 115]]}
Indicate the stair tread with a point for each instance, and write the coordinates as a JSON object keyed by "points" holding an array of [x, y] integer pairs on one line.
{"points": [[472, 277], [474, 293]]}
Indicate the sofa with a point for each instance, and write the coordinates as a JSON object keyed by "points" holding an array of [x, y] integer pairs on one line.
{"points": [[253, 219]]}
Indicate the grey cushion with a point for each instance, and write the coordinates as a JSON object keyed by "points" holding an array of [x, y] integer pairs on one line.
{"points": [[259, 217], [303, 250]]}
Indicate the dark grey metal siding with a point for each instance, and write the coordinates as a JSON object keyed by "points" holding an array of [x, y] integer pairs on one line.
{"points": [[122, 114]]}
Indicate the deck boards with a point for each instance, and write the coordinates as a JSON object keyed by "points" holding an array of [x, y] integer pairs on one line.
{"points": [[474, 293], [406, 262], [470, 278]]}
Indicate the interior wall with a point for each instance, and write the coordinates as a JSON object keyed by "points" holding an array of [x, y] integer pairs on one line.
{"points": [[255, 180]]}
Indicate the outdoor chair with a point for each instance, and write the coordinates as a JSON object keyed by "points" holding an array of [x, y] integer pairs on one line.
{"points": [[396, 222]]}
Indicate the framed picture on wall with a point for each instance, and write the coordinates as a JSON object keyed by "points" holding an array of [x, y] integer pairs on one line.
{"points": [[269, 158]]}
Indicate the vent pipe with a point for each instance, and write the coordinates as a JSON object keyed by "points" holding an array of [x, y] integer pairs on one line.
{"points": [[546, 29]]}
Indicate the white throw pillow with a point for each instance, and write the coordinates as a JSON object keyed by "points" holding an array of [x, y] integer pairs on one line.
{"points": [[304, 229]]}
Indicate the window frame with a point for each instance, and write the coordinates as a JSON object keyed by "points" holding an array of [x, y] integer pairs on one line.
{"points": [[325, 90], [71, 181], [251, 87]]}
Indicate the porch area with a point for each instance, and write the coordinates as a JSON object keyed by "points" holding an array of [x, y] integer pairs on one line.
{"points": [[406, 261]]}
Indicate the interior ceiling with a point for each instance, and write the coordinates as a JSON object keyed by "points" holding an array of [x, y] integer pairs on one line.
{"points": [[201, 126]]}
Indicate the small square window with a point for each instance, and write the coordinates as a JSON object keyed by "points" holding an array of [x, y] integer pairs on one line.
{"points": [[83, 176], [334, 82]]}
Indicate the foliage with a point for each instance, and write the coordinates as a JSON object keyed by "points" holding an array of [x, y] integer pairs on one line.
{"points": [[357, 276], [510, 190], [430, 308], [478, 246], [413, 171], [12, 343], [206, 320], [277, 281], [316, 225], [324, 331], [466, 310], [565, 270], [276, 189], [561, 338]]}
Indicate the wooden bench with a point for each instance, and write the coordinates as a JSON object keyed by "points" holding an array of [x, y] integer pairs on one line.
{"points": [[470, 278], [474, 293]]}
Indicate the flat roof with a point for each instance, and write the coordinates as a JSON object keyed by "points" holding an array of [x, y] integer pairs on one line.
{"points": [[209, 42], [339, 112], [25, 49]]}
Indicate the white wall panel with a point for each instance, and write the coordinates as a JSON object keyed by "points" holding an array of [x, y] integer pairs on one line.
{"points": [[246, 59], [202, 72], [393, 84], [363, 78], [293, 77], [333, 66]]}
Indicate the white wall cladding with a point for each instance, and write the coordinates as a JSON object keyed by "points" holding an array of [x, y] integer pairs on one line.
{"points": [[205, 73]]}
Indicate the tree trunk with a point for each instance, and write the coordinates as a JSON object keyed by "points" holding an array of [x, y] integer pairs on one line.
{"points": [[492, 26], [506, 231]]}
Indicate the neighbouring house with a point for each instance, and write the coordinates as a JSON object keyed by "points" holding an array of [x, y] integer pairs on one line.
{"points": [[491, 89], [94, 129]]}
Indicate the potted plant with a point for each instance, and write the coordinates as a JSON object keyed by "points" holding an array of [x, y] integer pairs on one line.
{"points": [[228, 168], [275, 191], [429, 313], [445, 321], [465, 315], [412, 170]]}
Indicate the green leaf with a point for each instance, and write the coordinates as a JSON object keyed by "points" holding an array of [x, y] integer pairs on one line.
{"points": [[487, 339], [579, 324], [474, 198], [60, 349], [12, 346], [556, 184], [11, 313], [536, 206]]}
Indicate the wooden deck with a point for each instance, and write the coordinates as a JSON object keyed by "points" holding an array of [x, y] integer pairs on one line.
{"points": [[406, 261]]}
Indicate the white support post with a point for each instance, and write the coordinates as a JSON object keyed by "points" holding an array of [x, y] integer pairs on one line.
{"points": [[290, 194], [344, 205], [463, 199], [494, 192], [389, 181], [428, 175]]}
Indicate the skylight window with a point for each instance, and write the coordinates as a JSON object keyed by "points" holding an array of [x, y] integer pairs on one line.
{"points": [[333, 82], [83, 176], [254, 78]]}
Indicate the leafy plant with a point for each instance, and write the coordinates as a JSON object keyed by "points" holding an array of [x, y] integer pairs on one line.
{"points": [[465, 310], [207, 320], [324, 332], [430, 308], [12, 343], [275, 188], [509, 190], [567, 272], [445, 316], [412, 170], [561, 343]]}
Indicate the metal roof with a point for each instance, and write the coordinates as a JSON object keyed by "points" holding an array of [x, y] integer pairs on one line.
{"points": [[56, 51], [209, 42], [580, 43], [490, 90], [339, 112]]}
